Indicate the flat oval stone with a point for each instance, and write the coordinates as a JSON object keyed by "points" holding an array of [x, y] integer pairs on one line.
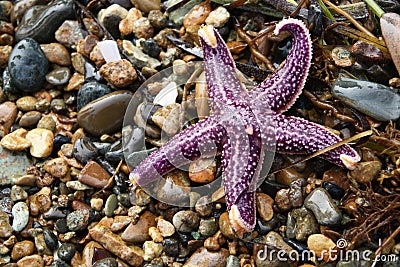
{"points": [[42, 22], [20, 213], [106, 114], [375, 100], [58, 76], [28, 66]]}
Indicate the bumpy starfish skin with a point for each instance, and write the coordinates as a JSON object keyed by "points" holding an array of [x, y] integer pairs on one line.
{"points": [[245, 123]]}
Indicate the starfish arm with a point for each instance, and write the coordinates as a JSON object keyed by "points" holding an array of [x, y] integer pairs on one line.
{"points": [[204, 139], [223, 85], [280, 90], [299, 136]]}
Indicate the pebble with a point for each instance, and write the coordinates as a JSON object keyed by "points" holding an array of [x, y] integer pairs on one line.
{"points": [[119, 73], [106, 262], [142, 28], [5, 52], [22, 249], [91, 91], [66, 251], [147, 5], [78, 220], [139, 232], [342, 57], [30, 119], [264, 206], [69, 33], [113, 243], [202, 257], [16, 140], [178, 15], [78, 186], [175, 188], [41, 142], [40, 202], [151, 47], [171, 246], [20, 213], [323, 207], [58, 106], [57, 167], [155, 234], [334, 191], [113, 9], [202, 170], [197, 15], [26, 103], [375, 100], [186, 221], [138, 57], [110, 205], [321, 246], [56, 53], [203, 206], [365, 172], [50, 239], [225, 226], [59, 76], [94, 175], [61, 226], [167, 118], [218, 17], [151, 250], [208, 227], [166, 228], [106, 114], [8, 114], [157, 19], [5, 227], [31, 261], [389, 26], [126, 25], [232, 261], [306, 224], [18, 193], [28, 66]]}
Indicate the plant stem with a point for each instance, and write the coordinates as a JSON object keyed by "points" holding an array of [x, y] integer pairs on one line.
{"points": [[375, 7]]}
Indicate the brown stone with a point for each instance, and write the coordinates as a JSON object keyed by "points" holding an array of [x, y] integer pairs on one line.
{"points": [[142, 28], [5, 52], [57, 167], [41, 142], [22, 249], [75, 82], [147, 5], [5, 227], [96, 56], [26, 103], [264, 206], [57, 53], [120, 222], [203, 257], [16, 140], [94, 175], [202, 170], [365, 172], [30, 119], [31, 261], [119, 73], [8, 113], [139, 232], [130, 254], [225, 226], [78, 205], [198, 14], [321, 246], [40, 202]]}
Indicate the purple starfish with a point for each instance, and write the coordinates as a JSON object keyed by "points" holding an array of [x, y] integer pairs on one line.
{"points": [[244, 124]]}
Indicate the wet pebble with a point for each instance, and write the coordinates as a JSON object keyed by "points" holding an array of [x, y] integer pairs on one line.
{"points": [[78, 220], [264, 206], [208, 227], [320, 245], [50, 239], [375, 100], [365, 172], [26, 103], [171, 246], [139, 232], [28, 66], [142, 28], [147, 5], [203, 206], [110, 205], [186, 221], [119, 73], [30, 119], [8, 114], [66, 251], [20, 213], [56, 53], [106, 262], [57, 167], [151, 47], [165, 227], [84, 150], [151, 250], [218, 17], [31, 261], [334, 191], [22, 249], [197, 14], [306, 224], [323, 207], [106, 114], [203, 257], [58, 76], [18, 193], [138, 57], [5, 227], [41, 142], [225, 226], [94, 175]]}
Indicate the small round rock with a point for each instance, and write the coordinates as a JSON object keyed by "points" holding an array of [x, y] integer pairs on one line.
{"points": [[66, 251], [186, 221]]}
